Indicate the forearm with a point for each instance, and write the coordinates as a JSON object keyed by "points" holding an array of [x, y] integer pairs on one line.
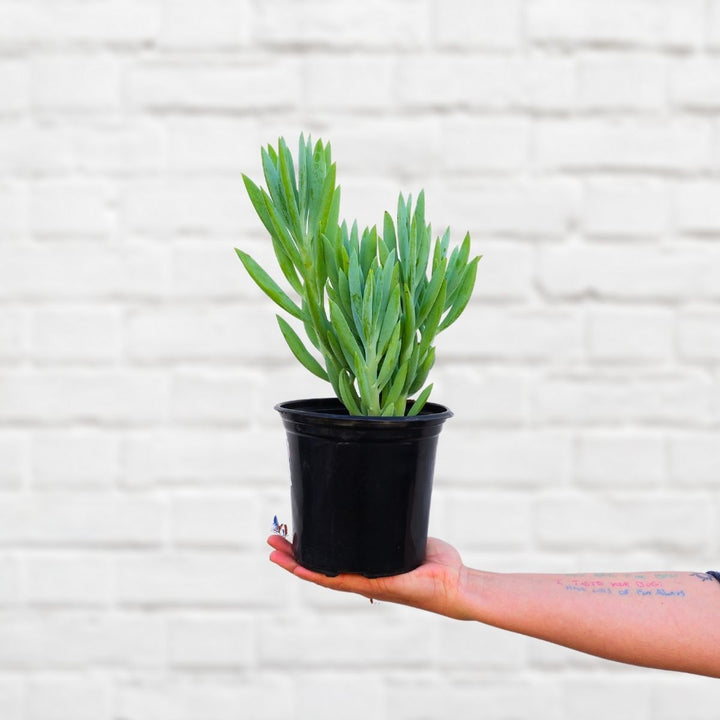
{"points": [[663, 620]]}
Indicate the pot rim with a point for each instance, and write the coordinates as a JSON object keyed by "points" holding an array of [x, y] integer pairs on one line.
{"points": [[332, 409]]}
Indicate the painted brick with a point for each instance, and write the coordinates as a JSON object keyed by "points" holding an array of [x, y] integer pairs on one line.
{"points": [[631, 335], [492, 398], [213, 145], [669, 24], [627, 522], [10, 582], [621, 460], [13, 343], [628, 82], [469, 25], [620, 208], [12, 698], [520, 458], [630, 272], [489, 520], [75, 334], [368, 694], [117, 22], [694, 83], [348, 83], [218, 397], [85, 83], [367, 199], [519, 210], [699, 336], [262, 696], [472, 81], [82, 270], [631, 145], [130, 146], [582, 696], [213, 333], [78, 640], [375, 25], [212, 270], [714, 24], [669, 399], [76, 520], [211, 642], [286, 382], [75, 580], [63, 459], [404, 147], [153, 207], [87, 395], [433, 697], [68, 208], [14, 454], [221, 86], [14, 211], [516, 335], [458, 647], [204, 520], [219, 24], [197, 580], [695, 208], [506, 271], [54, 697], [668, 698], [694, 459], [485, 145], [27, 148], [15, 81], [378, 643], [201, 457]]}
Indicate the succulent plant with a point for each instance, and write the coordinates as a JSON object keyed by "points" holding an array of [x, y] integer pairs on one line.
{"points": [[371, 304]]}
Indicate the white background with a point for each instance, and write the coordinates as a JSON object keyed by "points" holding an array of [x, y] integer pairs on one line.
{"points": [[141, 461]]}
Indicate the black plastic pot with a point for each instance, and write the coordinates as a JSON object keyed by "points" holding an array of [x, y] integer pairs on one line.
{"points": [[361, 486]]}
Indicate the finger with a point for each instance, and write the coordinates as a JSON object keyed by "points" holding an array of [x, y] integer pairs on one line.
{"points": [[280, 543], [346, 582], [284, 560]]}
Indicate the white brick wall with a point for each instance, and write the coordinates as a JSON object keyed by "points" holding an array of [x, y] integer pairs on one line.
{"points": [[140, 459]]}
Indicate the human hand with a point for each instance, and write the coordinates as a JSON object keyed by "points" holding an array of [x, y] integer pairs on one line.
{"points": [[435, 586]]}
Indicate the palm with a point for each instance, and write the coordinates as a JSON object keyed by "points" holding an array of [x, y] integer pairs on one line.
{"points": [[433, 586]]}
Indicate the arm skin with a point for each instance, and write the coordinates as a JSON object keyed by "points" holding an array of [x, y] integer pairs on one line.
{"points": [[668, 620]]}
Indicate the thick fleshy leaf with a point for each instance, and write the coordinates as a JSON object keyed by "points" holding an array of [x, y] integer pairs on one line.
{"points": [[390, 360], [348, 395], [391, 321], [346, 339], [269, 286], [462, 296], [398, 383], [299, 350], [419, 404], [389, 237]]}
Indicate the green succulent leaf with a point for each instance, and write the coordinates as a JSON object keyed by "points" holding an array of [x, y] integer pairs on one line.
{"points": [[348, 395], [463, 295], [346, 339], [371, 305], [299, 350], [390, 360], [396, 388], [419, 404], [269, 286]]}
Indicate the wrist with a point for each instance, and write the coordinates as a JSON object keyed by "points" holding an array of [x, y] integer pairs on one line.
{"points": [[472, 589]]}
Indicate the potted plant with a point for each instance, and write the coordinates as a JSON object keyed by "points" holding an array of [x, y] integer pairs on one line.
{"points": [[371, 305]]}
